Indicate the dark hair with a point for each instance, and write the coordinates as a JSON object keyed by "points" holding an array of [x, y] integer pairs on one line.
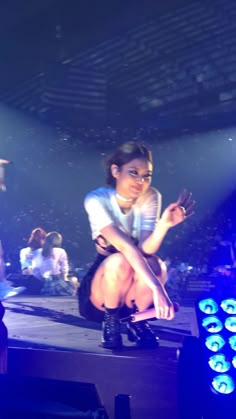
{"points": [[124, 154], [37, 238], [53, 239]]}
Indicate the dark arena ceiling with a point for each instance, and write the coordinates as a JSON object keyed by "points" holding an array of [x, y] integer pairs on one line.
{"points": [[113, 59]]}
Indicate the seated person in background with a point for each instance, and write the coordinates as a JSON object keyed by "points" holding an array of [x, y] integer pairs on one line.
{"points": [[35, 242], [52, 268], [6, 290]]}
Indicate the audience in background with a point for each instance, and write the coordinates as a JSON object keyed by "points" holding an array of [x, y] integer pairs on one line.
{"points": [[51, 266]]}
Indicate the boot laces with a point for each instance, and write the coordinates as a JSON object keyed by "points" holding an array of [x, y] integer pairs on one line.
{"points": [[112, 324]]}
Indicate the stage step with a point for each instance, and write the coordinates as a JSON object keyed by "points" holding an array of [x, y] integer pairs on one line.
{"points": [[149, 377]]}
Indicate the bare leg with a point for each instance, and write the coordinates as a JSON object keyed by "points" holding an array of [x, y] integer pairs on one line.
{"points": [[111, 282], [140, 294], [139, 291], [109, 287]]}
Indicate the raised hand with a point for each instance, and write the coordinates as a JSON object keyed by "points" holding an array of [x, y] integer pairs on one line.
{"points": [[178, 211], [186, 203]]}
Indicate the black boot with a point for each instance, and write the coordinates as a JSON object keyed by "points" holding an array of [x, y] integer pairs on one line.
{"points": [[111, 331], [141, 333]]}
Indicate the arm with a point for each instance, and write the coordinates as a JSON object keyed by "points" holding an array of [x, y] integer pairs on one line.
{"points": [[152, 231], [174, 214], [150, 242]]}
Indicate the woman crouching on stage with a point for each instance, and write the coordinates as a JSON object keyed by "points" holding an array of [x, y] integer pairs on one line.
{"points": [[127, 229]]}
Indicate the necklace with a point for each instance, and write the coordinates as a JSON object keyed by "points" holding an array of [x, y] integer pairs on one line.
{"points": [[121, 198]]}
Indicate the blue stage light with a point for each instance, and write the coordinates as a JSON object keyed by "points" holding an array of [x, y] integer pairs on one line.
{"points": [[214, 342], [234, 361], [230, 324], [208, 306], [232, 342], [223, 384], [219, 363], [212, 324], [207, 367], [229, 305], [216, 317]]}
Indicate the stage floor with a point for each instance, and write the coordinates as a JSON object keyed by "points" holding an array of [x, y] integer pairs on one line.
{"points": [[54, 323], [48, 338]]}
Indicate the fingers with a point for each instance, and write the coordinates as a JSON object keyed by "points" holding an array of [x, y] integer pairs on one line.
{"points": [[184, 198], [171, 313], [186, 203], [165, 312], [183, 211], [184, 194]]}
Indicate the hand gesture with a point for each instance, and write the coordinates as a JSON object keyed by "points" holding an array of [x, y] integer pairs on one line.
{"points": [[178, 211]]}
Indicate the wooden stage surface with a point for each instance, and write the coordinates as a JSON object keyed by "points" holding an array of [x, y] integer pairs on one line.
{"points": [[48, 338]]}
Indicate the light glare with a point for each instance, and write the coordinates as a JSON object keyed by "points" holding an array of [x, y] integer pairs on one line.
{"points": [[212, 324], [232, 342], [218, 363], [214, 343], [230, 324], [208, 306], [229, 305], [223, 384]]}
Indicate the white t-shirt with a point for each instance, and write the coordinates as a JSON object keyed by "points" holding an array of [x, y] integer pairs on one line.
{"points": [[55, 264], [26, 257], [103, 209]]}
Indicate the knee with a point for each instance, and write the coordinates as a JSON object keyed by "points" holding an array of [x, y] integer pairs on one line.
{"points": [[159, 268], [117, 269]]}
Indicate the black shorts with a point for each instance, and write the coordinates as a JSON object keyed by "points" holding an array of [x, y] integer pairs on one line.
{"points": [[86, 308]]}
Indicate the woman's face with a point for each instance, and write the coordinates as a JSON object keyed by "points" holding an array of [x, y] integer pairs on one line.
{"points": [[133, 178]]}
